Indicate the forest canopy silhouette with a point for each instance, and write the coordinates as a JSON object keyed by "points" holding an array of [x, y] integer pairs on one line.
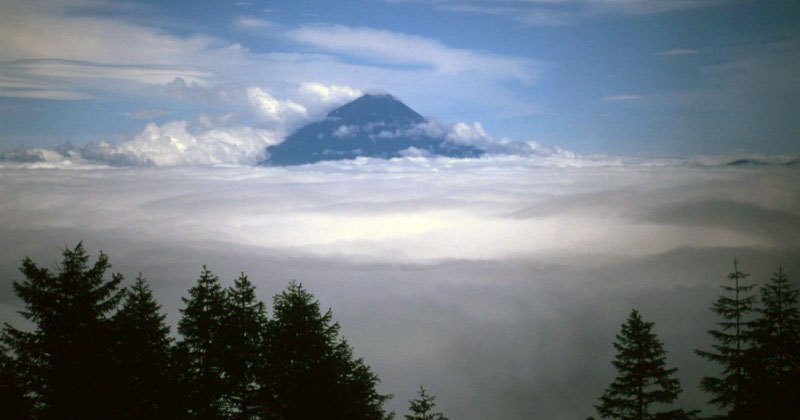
{"points": [[101, 350]]}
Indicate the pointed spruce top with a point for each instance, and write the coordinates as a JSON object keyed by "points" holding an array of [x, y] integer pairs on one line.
{"points": [[372, 108]]}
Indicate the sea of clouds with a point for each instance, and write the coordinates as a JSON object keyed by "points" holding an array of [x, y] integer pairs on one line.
{"points": [[498, 283]]}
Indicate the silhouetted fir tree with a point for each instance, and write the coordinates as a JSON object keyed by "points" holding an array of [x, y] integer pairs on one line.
{"points": [[422, 408], [202, 350], [143, 356], [733, 339], [243, 338], [65, 364], [13, 403], [310, 373], [773, 364], [181, 375], [642, 379]]}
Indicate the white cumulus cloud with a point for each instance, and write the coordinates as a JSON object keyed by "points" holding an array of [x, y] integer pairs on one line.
{"points": [[319, 98], [464, 133], [273, 110], [176, 144], [328, 94]]}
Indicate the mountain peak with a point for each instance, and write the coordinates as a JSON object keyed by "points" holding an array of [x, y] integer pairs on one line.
{"points": [[372, 125], [372, 108]]}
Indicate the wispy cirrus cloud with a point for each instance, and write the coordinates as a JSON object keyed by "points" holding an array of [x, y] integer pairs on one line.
{"points": [[396, 48], [565, 12], [677, 52], [620, 98], [146, 114], [96, 40], [97, 54], [55, 69], [20, 86], [75, 80], [254, 23], [63, 52]]}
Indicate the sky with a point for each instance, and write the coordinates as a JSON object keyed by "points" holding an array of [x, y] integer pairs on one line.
{"points": [[496, 282], [653, 78]]}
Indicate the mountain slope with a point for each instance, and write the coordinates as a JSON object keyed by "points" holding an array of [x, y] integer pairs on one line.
{"points": [[372, 126]]}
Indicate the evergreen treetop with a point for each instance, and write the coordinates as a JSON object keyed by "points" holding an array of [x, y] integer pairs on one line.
{"points": [[243, 338], [773, 362], [777, 329], [142, 353], [311, 373], [421, 408], [733, 339], [642, 378], [202, 347], [65, 364], [140, 316]]}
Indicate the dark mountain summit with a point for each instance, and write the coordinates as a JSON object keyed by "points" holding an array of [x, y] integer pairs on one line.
{"points": [[372, 126], [370, 108]]}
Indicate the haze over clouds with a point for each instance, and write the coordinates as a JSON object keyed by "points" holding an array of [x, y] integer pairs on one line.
{"points": [[496, 282]]}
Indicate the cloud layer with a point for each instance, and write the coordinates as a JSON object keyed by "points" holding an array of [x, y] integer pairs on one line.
{"points": [[498, 283]]}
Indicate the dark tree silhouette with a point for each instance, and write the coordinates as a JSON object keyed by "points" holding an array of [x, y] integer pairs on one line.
{"points": [[422, 408], [202, 351], [773, 364], [310, 372], [243, 337], [642, 379], [13, 403], [65, 363], [142, 352], [733, 339]]}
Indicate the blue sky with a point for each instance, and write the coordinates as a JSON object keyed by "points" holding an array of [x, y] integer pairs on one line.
{"points": [[630, 77]]}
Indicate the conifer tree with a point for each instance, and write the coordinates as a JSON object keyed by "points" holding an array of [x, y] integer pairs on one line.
{"points": [[642, 379], [733, 339], [243, 338], [65, 363], [773, 364], [310, 372], [202, 349], [13, 403], [422, 407], [143, 356]]}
